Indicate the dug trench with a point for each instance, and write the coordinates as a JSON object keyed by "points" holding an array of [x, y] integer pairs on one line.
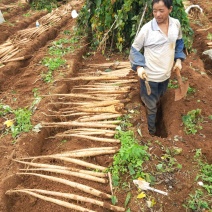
{"points": [[42, 143]]}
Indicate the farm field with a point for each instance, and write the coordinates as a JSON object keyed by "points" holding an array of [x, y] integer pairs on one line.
{"points": [[76, 98]]}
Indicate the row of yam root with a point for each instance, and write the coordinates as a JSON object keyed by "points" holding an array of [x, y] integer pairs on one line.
{"points": [[91, 116]]}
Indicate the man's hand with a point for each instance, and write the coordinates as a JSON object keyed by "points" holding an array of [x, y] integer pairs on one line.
{"points": [[141, 73], [177, 65]]}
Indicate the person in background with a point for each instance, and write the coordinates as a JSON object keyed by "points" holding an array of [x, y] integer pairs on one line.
{"points": [[161, 39]]}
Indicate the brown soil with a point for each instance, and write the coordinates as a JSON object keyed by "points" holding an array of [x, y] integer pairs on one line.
{"points": [[18, 79]]}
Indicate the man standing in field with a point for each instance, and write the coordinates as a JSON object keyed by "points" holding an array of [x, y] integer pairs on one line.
{"points": [[162, 41]]}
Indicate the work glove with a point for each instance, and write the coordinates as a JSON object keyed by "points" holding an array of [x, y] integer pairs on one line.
{"points": [[141, 73], [178, 65]]}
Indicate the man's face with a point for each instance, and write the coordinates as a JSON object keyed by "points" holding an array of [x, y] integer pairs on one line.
{"points": [[161, 12]]}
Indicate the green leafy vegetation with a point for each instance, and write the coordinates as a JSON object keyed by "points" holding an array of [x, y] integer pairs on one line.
{"points": [[201, 200], [192, 121], [173, 84], [191, 90], [22, 122], [59, 49], [67, 32], [52, 64], [44, 5], [115, 23], [36, 101], [18, 120], [5, 109], [130, 157], [168, 162]]}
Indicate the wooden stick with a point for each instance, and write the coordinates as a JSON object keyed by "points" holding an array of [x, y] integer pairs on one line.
{"points": [[50, 199], [79, 186]]}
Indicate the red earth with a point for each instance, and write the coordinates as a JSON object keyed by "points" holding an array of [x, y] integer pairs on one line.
{"points": [[19, 79]]}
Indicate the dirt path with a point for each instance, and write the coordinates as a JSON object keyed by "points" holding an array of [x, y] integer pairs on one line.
{"points": [[19, 79]]}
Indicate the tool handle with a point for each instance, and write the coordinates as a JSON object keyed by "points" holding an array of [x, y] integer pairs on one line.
{"points": [[158, 191], [146, 83], [179, 78], [144, 76]]}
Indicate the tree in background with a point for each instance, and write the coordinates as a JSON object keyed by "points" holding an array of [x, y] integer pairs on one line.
{"points": [[113, 23]]}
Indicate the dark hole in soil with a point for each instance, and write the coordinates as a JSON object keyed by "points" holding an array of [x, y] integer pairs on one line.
{"points": [[160, 126]]}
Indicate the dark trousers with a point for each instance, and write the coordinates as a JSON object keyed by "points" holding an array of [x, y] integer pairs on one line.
{"points": [[157, 91]]}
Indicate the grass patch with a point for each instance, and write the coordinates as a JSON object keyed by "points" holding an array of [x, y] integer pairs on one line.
{"points": [[201, 199]]}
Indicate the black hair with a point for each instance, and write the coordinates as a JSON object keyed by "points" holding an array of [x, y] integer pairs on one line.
{"points": [[167, 3]]}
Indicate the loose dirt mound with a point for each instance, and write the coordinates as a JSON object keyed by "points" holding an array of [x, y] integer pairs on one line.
{"points": [[19, 79]]}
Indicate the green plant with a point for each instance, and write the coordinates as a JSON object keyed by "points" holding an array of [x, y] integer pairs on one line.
{"points": [[209, 36], [197, 202], [192, 121], [118, 20], [125, 123], [191, 90], [5, 109], [173, 84], [64, 141], [27, 14], [36, 101], [53, 63], [44, 4], [168, 163], [59, 50], [202, 198], [22, 122], [130, 157], [67, 32]]}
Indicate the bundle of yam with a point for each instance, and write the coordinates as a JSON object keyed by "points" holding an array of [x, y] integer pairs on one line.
{"points": [[35, 169], [16, 43]]}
